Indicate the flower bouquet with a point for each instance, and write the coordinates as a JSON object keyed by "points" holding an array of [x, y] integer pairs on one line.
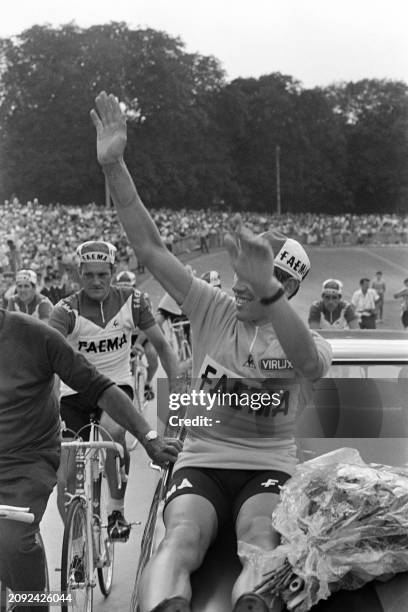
{"points": [[343, 523]]}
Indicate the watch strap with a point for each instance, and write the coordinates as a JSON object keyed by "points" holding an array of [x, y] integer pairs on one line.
{"points": [[266, 301]]}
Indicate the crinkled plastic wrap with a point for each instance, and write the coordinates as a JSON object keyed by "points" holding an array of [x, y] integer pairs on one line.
{"points": [[343, 523]]}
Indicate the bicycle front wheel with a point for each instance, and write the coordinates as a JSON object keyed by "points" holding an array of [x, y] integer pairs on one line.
{"points": [[105, 547], [75, 571]]}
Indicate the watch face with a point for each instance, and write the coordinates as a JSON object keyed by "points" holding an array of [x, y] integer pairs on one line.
{"points": [[151, 435]]}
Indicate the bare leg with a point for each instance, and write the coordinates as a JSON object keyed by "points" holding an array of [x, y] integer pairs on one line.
{"points": [[254, 527], [191, 526], [118, 434]]}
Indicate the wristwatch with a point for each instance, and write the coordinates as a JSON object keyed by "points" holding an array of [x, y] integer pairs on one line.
{"points": [[150, 436]]}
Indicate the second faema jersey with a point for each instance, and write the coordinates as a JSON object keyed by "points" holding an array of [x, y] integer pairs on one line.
{"points": [[101, 331], [251, 388]]}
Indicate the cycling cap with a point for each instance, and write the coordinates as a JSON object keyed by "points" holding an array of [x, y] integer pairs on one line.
{"points": [[26, 276], [212, 277], [96, 251], [126, 278], [290, 256], [332, 286]]}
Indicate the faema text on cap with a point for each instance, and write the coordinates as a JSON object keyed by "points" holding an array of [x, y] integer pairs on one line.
{"points": [[212, 277], [290, 256], [96, 251], [332, 286], [26, 276]]}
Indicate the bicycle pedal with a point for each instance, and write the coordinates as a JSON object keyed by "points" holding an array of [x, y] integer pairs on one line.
{"points": [[121, 540]]}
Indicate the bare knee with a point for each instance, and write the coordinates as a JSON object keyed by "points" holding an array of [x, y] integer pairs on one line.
{"points": [[186, 541], [258, 531]]}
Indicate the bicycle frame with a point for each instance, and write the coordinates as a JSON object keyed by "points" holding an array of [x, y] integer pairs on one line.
{"points": [[179, 331], [87, 459]]}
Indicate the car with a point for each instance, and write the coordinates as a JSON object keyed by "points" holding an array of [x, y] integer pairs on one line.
{"points": [[362, 403]]}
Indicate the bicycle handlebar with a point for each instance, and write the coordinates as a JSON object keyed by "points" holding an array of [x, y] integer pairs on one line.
{"points": [[102, 444], [180, 324], [16, 513]]}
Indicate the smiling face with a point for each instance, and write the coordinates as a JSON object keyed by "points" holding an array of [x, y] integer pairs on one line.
{"points": [[25, 291], [248, 306], [96, 279]]}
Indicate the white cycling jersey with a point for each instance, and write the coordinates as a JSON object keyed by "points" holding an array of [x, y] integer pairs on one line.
{"points": [[102, 331]]}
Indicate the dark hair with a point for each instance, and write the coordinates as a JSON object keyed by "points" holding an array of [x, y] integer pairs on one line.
{"points": [[364, 279], [379, 272], [283, 276]]}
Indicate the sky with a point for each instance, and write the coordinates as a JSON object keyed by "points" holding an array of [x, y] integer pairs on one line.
{"points": [[318, 42]]}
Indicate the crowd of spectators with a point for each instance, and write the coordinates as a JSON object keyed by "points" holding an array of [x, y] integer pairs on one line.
{"points": [[44, 237]]}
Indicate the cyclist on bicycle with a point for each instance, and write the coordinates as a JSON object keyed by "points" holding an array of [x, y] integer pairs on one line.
{"points": [[331, 312], [126, 278], [31, 353], [258, 338], [28, 299], [99, 321]]}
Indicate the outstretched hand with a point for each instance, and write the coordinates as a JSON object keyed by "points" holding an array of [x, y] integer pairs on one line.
{"points": [[163, 450], [251, 256], [110, 124]]}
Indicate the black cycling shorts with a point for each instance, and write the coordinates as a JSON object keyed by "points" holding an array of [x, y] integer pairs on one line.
{"points": [[76, 409], [227, 490]]}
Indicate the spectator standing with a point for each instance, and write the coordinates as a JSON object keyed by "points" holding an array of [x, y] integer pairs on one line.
{"points": [[14, 255], [378, 284], [403, 293], [365, 301], [9, 288], [204, 239]]}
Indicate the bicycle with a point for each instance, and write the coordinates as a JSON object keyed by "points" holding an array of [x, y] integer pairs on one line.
{"points": [[87, 549], [179, 341], [23, 515], [138, 367]]}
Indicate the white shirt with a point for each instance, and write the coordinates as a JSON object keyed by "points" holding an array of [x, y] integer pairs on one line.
{"points": [[364, 303]]}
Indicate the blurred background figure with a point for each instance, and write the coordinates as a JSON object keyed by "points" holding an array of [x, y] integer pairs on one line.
{"points": [[403, 293], [365, 302], [378, 284], [28, 299], [332, 311]]}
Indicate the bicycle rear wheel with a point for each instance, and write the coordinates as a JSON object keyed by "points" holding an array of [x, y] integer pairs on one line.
{"points": [[105, 548], [75, 571]]}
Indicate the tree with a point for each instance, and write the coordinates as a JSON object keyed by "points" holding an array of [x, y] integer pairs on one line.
{"points": [[48, 83], [376, 116]]}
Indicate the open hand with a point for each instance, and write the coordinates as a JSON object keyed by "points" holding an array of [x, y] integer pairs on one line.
{"points": [[251, 256], [110, 123]]}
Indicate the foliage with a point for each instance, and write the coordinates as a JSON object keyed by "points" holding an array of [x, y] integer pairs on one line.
{"points": [[194, 140]]}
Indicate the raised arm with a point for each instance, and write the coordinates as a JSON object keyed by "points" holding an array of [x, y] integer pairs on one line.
{"points": [[140, 228]]}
